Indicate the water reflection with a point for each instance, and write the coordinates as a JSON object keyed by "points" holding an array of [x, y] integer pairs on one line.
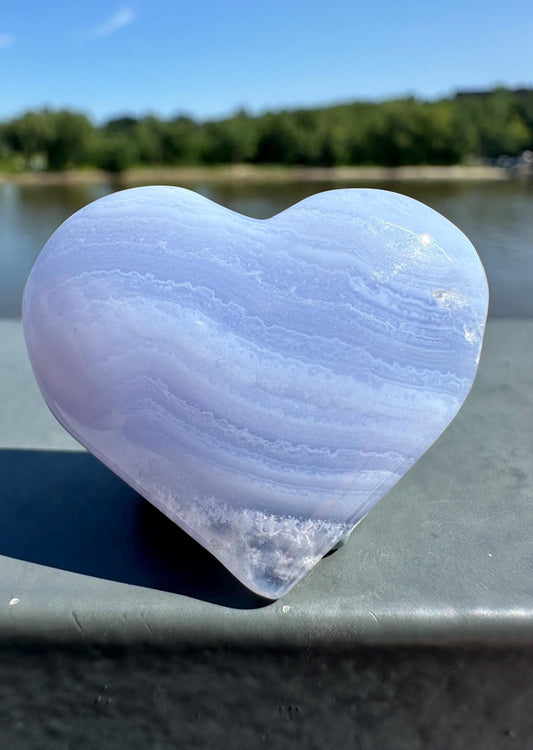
{"points": [[497, 217]]}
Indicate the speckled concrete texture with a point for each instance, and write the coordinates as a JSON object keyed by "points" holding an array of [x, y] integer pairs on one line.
{"points": [[407, 699]]}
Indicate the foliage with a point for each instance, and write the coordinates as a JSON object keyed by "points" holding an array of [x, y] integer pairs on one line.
{"points": [[63, 137], [482, 125]]}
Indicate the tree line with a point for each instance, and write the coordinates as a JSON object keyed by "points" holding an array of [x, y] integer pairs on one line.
{"points": [[406, 131]]}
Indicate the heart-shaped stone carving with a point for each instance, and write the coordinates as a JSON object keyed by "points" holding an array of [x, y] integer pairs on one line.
{"points": [[263, 383]]}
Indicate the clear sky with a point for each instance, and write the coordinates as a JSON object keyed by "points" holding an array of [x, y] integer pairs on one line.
{"points": [[209, 58]]}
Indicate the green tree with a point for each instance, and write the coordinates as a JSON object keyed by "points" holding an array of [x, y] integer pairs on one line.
{"points": [[70, 140], [115, 153], [498, 123], [63, 137]]}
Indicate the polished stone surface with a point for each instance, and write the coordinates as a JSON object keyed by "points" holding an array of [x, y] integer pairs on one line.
{"points": [[263, 383]]}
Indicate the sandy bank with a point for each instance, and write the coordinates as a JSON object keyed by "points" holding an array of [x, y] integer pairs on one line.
{"points": [[259, 174]]}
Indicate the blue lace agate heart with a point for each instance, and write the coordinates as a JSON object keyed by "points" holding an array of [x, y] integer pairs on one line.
{"points": [[263, 383]]}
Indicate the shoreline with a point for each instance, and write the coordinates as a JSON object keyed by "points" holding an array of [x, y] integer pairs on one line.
{"points": [[249, 173]]}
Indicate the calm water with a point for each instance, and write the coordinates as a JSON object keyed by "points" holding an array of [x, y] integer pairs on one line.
{"points": [[497, 217]]}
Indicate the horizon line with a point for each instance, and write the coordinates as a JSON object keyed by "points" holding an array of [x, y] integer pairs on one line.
{"points": [[251, 112]]}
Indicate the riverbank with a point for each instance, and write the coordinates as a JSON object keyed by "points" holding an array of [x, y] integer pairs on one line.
{"points": [[259, 174]]}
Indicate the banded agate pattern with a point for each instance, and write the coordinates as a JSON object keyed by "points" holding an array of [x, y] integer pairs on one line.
{"points": [[262, 382]]}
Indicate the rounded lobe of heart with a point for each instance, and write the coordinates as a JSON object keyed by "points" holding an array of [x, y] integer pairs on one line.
{"points": [[263, 383]]}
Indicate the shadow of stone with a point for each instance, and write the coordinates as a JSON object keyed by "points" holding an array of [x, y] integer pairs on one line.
{"points": [[67, 510]]}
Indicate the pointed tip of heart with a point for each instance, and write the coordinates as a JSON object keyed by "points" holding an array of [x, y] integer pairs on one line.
{"points": [[269, 553]]}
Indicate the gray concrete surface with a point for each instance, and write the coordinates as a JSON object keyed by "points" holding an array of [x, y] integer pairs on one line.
{"points": [[404, 699], [445, 558]]}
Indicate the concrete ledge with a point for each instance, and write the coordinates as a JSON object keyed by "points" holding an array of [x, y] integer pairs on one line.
{"points": [[445, 558]]}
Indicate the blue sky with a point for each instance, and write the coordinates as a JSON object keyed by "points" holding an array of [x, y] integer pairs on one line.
{"points": [[209, 58]]}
